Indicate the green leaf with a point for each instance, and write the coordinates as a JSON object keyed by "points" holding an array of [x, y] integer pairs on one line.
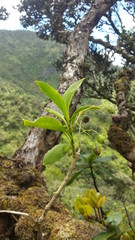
{"points": [[88, 210], [68, 95], [114, 217], [74, 176], [103, 159], [66, 148], [100, 202], [55, 154], [82, 165], [46, 123], [83, 109], [54, 95], [110, 110], [103, 236], [56, 113], [77, 204], [90, 159]]}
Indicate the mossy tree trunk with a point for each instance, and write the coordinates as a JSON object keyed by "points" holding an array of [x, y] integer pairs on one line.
{"points": [[39, 141], [23, 190], [118, 132]]}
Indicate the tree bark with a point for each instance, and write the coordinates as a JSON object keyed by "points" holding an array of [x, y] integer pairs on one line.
{"points": [[117, 134], [39, 141]]}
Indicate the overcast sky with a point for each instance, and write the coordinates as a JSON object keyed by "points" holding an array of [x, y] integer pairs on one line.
{"points": [[13, 22]]}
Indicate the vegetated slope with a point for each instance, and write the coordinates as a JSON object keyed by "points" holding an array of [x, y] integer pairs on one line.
{"points": [[14, 106], [25, 58]]}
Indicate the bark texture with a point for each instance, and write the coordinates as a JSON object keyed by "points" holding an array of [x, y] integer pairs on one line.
{"points": [[39, 141], [117, 134]]}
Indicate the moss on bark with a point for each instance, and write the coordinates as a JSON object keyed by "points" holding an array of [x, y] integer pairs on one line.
{"points": [[23, 190], [122, 142]]}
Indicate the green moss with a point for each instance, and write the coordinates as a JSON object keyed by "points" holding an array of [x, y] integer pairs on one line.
{"points": [[129, 74], [68, 228], [120, 140], [10, 188], [121, 84], [15, 195], [4, 204], [35, 196], [24, 229]]}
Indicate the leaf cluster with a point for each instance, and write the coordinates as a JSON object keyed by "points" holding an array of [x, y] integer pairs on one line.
{"points": [[3, 13], [100, 75], [89, 206], [126, 43], [92, 200], [63, 103], [49, 17]]}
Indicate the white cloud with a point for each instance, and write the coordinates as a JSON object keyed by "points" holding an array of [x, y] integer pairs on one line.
{"points": [[13, 22], [127, 20]]}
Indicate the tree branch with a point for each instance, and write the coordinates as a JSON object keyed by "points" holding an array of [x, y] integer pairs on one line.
{"points": [[109, 17], [99, 95], [116, 49], [128, 218]]}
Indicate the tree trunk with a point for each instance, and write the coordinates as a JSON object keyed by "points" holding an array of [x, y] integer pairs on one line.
{"points": [[39, 141]]}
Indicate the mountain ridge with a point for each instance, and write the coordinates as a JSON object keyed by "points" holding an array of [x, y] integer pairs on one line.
{"points": [[25, 58]]}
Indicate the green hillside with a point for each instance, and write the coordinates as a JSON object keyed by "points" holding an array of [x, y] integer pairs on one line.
{"points": [[25, 58], [14, 105]]}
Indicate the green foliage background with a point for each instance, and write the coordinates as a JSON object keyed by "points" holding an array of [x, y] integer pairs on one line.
{"points": [[23, 59]]}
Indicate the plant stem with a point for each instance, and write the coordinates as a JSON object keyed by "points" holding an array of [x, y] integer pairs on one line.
{"points": [[100, 215], [128, 218], [93, 178], [14, 212], [95, 185], [76, 156], [39, 231], [133, 180], [96, 214], [57, 193]]}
